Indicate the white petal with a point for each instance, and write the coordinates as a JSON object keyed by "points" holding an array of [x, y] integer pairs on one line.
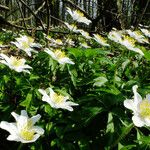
{"points": [[26, 67], [148, 97], [35, 118], [52, 93], [16, 116], [147, 122], [66, 60], [43, 92], [137, 96], [27, 71], [64, 106], [10, 127], [48, 51], [69, 103], [47, 98], [24, 113], [137, 121], [38, 130], [5, 57], [129, 104], [13, 138], [135, 50], [36, 136]]}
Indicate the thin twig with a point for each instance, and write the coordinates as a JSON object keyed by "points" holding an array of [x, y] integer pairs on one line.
{"points": [[144, 10], [26, 19], [22, 15], [33, 14], [48, 16]]}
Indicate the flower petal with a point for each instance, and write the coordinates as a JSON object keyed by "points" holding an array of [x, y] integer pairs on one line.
{"points": [[13, 138], [38, 130], [24, 113], [36, 136], [35, 118], [65, 60], [137, 96], [137, 121], [16, 116], [129, 104], [48, 51], [148, 97], [10, 127]]}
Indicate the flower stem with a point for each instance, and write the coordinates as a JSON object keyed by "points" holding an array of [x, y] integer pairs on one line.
{"points": [[20, 146]]}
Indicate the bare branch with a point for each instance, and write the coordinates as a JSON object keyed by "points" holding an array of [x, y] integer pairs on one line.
{"points": [[33, 14]]}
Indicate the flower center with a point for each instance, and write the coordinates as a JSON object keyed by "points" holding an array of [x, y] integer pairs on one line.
{"points": [[79, 13], [59, 54], [16, 62], [101, 38], [130, 40], [26, 133], [145, 109], [25, 44], [58, 41], [58, 98], [138, 33]]}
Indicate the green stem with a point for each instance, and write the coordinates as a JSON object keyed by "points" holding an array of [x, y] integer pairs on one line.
{"points": [[20, 146], [123, 135]]}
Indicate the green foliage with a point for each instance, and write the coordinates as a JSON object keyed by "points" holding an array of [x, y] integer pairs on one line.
{"points": [[99, 81]]}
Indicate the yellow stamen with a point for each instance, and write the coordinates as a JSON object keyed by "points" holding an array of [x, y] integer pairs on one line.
{"points": [[16, 62], [25, 44], [80, 13], [101, 38], [145, 109], [137, 33], [58, 41], [59, 54], [26, 133], [130, 40], [30, 40], [58, 98]]}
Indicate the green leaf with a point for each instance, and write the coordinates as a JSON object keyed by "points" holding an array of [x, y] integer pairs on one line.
{"points": [[110, 124], [34, 77], [100, 81], [27, 101], [147, 55]]}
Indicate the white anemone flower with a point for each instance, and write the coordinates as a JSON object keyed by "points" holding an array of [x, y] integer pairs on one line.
{"points": [[71, 27], [78, 16], [137, 36], [23, 130], [70, 42], [140, 108], [98, 38], [53, 42], [146, 32], [26, 44], [57, 100], [115, 36], [59, 56], [85, 34], [14, 63], [129, 43]]}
